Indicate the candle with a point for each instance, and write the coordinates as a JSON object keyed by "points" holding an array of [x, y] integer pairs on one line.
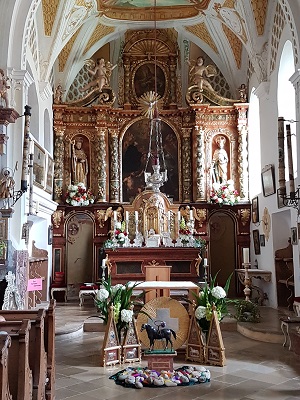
{"points": [[205, 262], [169, 215], [103, 262], [115, 215], [191, 215], [127, 215], [179, 216], [246, 255], [136, 216], [290, 158]]}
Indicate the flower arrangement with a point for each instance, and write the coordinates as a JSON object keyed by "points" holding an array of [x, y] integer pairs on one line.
{"points": [[183, 228], [211, 297], [79, 195], [119, 296], [120, 232], [224, 193]]}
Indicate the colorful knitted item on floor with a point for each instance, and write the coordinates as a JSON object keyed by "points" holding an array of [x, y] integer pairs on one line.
{"points": [[144, 377]]}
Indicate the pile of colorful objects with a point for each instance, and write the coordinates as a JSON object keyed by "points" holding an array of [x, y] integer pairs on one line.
{"points": [[144, 377]]}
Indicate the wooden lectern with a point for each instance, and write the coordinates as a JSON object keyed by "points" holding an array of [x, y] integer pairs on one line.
{"points": [[157, 273]]}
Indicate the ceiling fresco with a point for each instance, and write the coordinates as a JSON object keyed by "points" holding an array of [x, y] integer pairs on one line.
{"points": [[230, 32]]}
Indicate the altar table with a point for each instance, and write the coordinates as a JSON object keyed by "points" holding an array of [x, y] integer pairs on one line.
{"points": [[162, 288]]}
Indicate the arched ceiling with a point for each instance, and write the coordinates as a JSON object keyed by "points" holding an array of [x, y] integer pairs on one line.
{"points": [[231, 32]]}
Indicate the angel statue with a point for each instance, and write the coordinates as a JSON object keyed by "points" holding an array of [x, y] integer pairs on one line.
{"points": [[199, 73], [101, 71]]}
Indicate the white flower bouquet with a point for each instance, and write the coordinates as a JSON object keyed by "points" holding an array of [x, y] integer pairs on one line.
{"points": [[79, 195], [224, 193]]}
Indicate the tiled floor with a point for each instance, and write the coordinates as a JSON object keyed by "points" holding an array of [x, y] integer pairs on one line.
{"points": [[254, 370]]}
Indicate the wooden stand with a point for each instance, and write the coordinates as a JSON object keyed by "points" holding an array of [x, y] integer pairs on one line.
{"points": [[160, 361], [157, 273]]}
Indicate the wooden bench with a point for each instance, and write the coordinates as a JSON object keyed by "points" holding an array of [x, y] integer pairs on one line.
{"points": [[37, 353], [47, 342], [5, 343], [19, 372]]}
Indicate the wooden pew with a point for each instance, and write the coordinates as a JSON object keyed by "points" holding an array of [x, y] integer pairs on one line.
{"points": [[37, 353], [5, 343], [19, 372], [50, 349], [43, 362]]}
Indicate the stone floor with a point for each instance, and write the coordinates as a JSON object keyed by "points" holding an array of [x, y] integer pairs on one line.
{"points": [[254, 370]]}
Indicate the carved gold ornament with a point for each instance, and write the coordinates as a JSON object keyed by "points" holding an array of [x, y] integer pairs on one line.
{"points": [[57, 218], [149, 102], [245, 216]]}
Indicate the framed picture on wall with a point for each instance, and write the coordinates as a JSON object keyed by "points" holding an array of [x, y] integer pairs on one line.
{"points": [[255, 211], [268, 180], [256, 241], [294, 235], [262, 240], [39, 166]]}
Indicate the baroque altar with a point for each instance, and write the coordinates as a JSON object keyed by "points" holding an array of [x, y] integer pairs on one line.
{"points": [[101, 140]]}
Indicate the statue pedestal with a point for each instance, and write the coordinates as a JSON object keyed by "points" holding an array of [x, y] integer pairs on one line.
{"points": [[160, 361]]}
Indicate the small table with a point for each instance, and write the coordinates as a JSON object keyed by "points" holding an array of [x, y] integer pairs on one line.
{"points": [[86, 292], [59, 289], [255, 273], [285, 322]]}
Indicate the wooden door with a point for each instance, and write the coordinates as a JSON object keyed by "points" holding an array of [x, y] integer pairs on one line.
{"points": [[222, 249]]}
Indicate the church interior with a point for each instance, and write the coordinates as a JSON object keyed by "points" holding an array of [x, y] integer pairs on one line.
{"points": [[151, 141]]}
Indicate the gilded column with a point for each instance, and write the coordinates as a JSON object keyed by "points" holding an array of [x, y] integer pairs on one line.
{"points": [[200, 164], [186, 166], [59, 151], [173, 99], [126, 81], [114, 181], [243, 167], [101, 164]]}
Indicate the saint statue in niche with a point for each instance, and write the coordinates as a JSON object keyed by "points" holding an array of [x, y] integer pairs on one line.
{"points": [[220, 160], [79, 162]]}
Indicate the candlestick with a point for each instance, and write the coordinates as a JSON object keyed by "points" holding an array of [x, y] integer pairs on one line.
{"points": [[25, 149], [246, 255], [290, 157], [281, 165]]}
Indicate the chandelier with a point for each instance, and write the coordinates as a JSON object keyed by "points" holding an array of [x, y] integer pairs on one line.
{"points": [[155, 171]]}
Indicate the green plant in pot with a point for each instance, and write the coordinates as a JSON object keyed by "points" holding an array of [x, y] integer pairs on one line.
{"points": [[246, 311]]}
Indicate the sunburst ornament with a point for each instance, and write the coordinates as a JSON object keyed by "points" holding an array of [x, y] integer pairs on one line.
{"points": [[149, 102]]}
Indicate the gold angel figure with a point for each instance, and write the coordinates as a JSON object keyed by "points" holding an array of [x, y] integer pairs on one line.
{"points": [[199, 74], [101, 70]]}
